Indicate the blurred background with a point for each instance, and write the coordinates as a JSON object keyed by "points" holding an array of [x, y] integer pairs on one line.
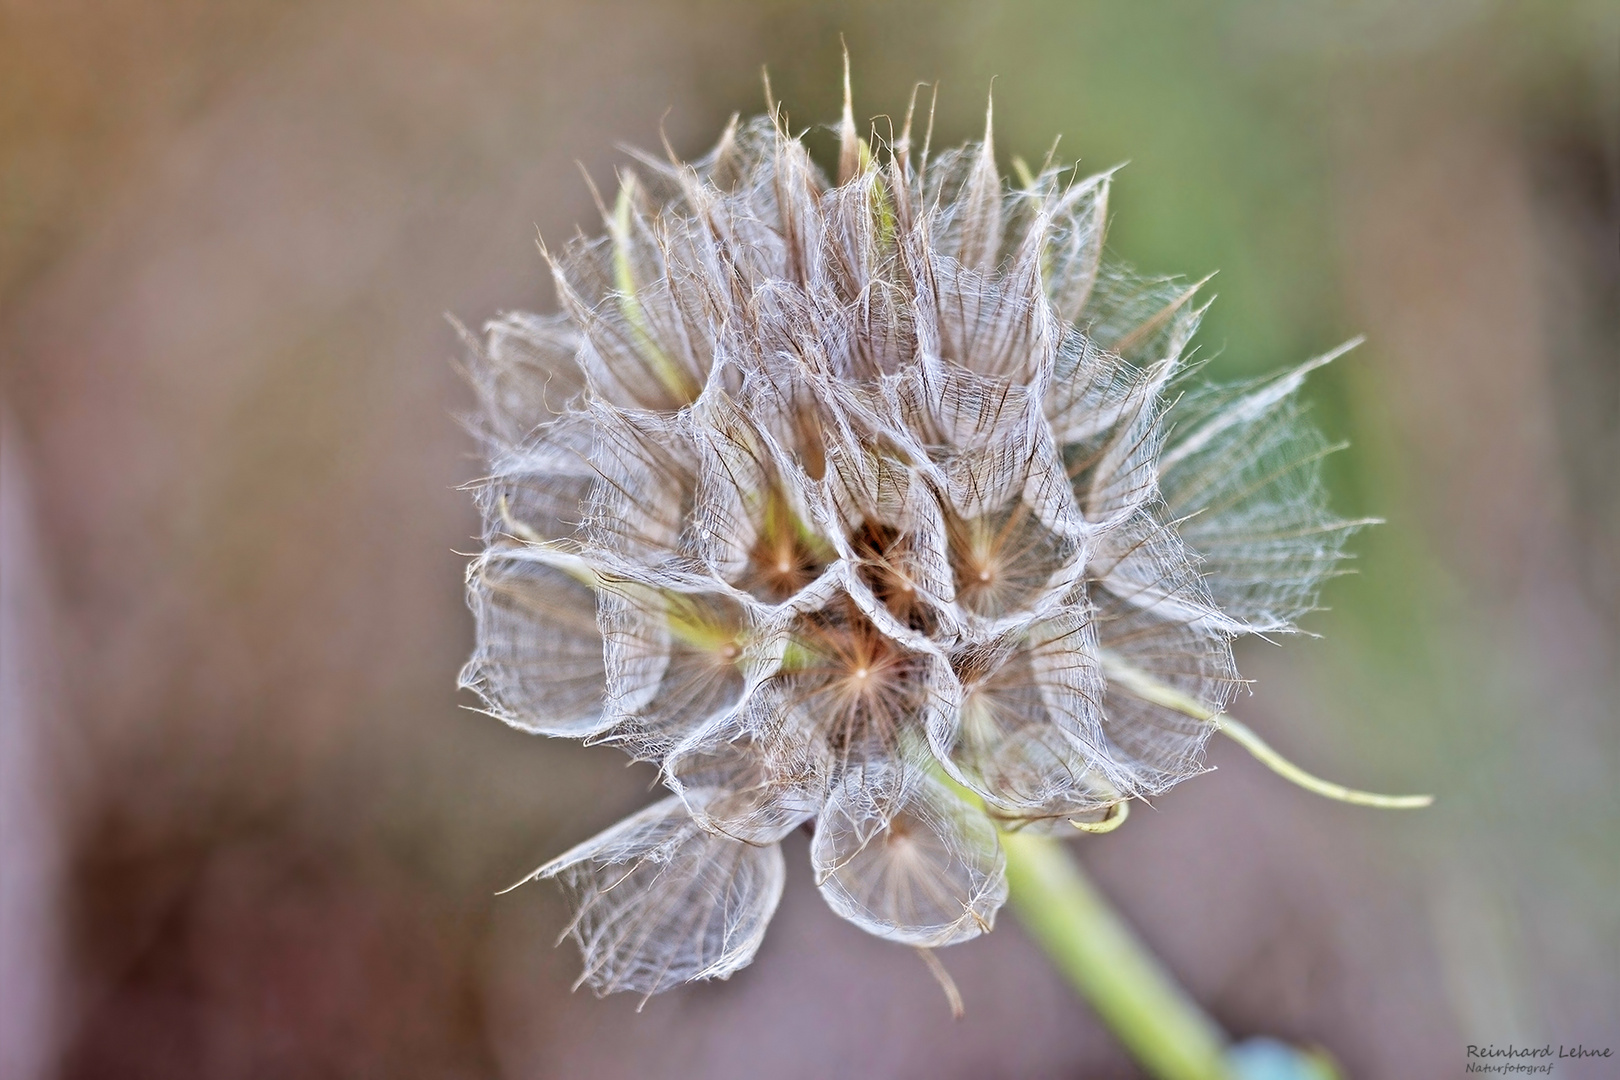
{"points": [[247, 828]]}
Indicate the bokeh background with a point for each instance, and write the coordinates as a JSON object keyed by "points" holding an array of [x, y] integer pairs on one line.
{"points": [[247, 828]]}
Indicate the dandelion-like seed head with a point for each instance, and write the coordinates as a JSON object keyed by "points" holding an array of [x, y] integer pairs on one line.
{"points": [[879, 504]]}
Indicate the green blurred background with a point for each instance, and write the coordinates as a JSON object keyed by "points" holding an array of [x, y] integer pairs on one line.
{"points": [[249, 832]]}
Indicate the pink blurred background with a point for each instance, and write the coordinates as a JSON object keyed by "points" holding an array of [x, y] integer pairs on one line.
{"points": [[248, 828]]}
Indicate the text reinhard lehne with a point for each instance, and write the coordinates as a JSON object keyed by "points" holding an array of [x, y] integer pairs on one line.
{"points": [[1546, 1051]]}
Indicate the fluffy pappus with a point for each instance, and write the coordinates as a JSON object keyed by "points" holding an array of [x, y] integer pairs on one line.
{"points": [[880, 504]]}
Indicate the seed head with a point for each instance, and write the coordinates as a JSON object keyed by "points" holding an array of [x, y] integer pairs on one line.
{"points": [[884, 506]]}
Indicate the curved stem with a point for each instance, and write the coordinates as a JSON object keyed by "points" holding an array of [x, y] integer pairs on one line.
{"points": [[1161, 1026], [1245, 737], [1139, 683]]}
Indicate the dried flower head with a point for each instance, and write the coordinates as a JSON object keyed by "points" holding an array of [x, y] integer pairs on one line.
{"points": [[883, 505]]}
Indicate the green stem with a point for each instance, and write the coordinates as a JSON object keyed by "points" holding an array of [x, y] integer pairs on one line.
{"points": [[1139, 683], [1099, 954]]}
